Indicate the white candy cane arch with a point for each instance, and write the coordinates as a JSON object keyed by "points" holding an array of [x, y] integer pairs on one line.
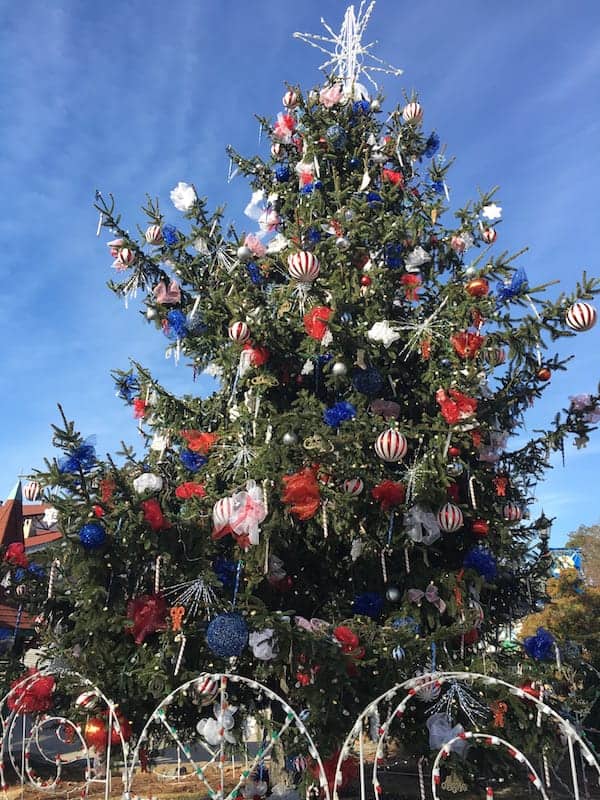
{"points": [[431, 683], [42, 721], [444, 752], [221, 680]]}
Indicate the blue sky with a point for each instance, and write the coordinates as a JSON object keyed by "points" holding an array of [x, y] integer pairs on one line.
{"points": [[133, 96]]}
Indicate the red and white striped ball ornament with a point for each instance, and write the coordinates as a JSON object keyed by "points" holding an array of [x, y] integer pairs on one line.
{"points": [[31, 491], [126, 256], [450, 518], [239, 332], [222, 511], [353, 486], [489, 235], [290, 99], [512, 512], [412, 112], [276, 149], [495, 356], [303, 267], [206, 688], [581, 317], [87, 700], [154, 234], [391, 446]]}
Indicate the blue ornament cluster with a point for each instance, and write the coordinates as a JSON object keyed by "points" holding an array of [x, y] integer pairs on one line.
{"points": [[482, 561], [339, 413], [541, 646]]}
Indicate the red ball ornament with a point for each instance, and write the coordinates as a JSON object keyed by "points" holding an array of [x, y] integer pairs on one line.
{"points": [[450, 518], [480, 527], [544, 374], [365, 280], [239, 332], [290, 99], [530, 690], [581, 317], [489, 235], [391, 446], [256, 355], [303, 266], [478, 287], [95, 733], [454, 452], [512, 512], [353, 486]]}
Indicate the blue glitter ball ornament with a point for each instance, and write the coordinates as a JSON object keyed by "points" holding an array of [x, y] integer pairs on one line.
{"points": [[282, 173], [361, 107], [541, 646], [36, 570], [393, 256], [355, 163], [177, 324], [336, 136], [313, 235], [369, 604], [170, 234], [227, 635], [339, 413], [255, 274], [482, 561], [438, 187], [432, 145], [192, 461], [92, 535], [367, 381], [373, 198]]}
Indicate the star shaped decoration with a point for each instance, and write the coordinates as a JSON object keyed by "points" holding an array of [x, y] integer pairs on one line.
{"points": [[348, 57], [491, 211]]}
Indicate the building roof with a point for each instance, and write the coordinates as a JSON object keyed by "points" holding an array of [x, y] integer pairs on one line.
{"points": [[35, 509], [11, 517], [10, 614], [41, 538]]}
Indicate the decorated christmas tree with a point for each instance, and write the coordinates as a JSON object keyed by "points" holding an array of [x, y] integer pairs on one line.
{"points": [[344, 511]]}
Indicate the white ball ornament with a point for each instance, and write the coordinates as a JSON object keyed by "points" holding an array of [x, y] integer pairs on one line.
{"points": [[391, 446], [581, 317], [151, 312], [375, 105], [339, 369], [222, 510], [289, 438], [148, 482], [239, 332], [303, 266], [412, 112], [450, 518], [126, 256], [244, 253], [290, 99], [353, 486], [512, 512], [154, 234], [31, 491]]}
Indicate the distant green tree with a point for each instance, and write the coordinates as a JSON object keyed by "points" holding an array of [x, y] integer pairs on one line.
{"points": [[587, 538]]}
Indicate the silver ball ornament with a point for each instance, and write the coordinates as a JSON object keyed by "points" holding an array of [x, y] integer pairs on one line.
{"points": [[455, 468], [349, 214], [289, 438], [470, 271], [339, 369], [342, 243], [379, 158], [393, 594], [244, 253], [151, 313], [375, 105]]}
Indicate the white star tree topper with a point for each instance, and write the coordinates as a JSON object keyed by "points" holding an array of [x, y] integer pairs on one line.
{"points": [[348, 56]]}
